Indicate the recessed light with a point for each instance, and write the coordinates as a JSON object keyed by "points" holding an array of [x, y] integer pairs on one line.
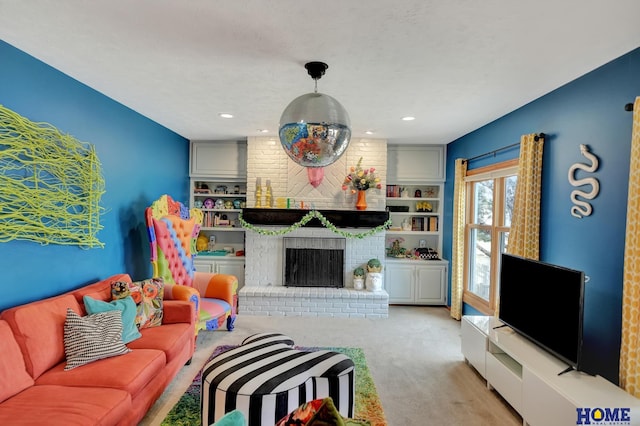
{"points": [[225, 115], [408, 118], [263, 130], [369, 132]]}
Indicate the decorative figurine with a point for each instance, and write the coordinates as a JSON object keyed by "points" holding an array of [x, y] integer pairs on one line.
{"points": [[358, 278]]}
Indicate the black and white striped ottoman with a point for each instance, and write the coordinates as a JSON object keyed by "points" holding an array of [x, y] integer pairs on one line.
{"points": [[266, 378]]}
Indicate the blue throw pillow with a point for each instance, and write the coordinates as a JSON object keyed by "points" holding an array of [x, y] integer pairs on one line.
{"points": [[128, 308]]}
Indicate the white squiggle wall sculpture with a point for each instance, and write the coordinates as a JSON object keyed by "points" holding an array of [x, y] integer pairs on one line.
{"points": [[582, 208]]}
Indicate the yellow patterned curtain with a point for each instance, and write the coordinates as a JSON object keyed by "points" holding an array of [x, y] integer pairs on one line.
{"points": [[457, 255], [629, 348], [525, 224]]}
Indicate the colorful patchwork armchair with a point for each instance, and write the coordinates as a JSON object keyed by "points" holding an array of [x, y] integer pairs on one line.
{"points": [[173, 230]]}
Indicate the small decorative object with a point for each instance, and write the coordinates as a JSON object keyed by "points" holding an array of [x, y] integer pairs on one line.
{"points": [[315, 129], [424, 206], [212, 242], [268, 199], [374, 281], [219, 204], [430, 192], [202, 242], [361, 201], [228, 204], [358, 278], [423, 243], [406, 224], [237, 203], [258, 193], [236, 189], [360, 180], [197, 204], [221, 189], [394, 250], [404, 193], [208, 203], [374, 265], [582, 208], [202, 188], [425, 253], [417, 194]]}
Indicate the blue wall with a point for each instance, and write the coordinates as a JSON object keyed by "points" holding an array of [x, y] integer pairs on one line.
{"points": [[589, 110], [141, 160]]}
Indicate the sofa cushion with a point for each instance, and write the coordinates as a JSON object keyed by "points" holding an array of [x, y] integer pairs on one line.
{"points": [[38, 327], [130, 372], [128, 308], [13, 375], [170, 338], [93, 337], [147, 294], [212, 309], [64, 406]]}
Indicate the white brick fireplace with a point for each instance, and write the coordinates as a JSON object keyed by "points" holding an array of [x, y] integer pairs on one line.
{"points": [[264, 292]]}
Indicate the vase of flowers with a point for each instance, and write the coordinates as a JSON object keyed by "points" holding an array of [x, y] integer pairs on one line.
{"points": [[359, 180]]}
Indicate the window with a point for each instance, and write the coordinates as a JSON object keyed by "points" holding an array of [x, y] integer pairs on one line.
{"points": [[490, 196]]}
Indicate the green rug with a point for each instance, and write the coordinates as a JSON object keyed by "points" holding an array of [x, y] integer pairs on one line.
{"points": [[367, 407]]}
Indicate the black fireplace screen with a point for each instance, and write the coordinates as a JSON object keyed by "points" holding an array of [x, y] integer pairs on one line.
{"points": [[314, 262]]}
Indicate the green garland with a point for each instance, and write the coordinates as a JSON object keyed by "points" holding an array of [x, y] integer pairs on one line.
{"points": [[325, 222]]}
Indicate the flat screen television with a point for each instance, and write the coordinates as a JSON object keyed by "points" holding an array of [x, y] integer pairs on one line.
{"points": [[544, 303]]}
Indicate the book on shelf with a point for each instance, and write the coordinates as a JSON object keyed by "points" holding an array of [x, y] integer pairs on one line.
{"points": [[432, 224], [417, 223]]}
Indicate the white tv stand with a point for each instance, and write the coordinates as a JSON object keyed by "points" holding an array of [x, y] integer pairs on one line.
{"points": [[527, 377]]}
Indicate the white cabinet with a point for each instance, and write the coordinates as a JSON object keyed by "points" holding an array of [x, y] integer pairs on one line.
{"points": [[220, 159], [221, 265], [416, 282], [399, 281], [473, 334], [414, 199], [218, 175], [528, 378], [415, 163]]}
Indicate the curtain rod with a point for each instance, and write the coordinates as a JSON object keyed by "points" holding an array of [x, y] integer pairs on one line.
{"points": [[504, 148], [628, 107]]}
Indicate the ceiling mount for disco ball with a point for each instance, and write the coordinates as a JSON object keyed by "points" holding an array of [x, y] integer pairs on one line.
{"points": [[315, 129]]}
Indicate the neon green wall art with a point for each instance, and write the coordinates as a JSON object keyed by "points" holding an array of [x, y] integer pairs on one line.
{"points": [[50, 184]]}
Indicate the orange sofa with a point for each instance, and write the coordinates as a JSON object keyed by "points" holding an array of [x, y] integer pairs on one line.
{"points": [[35, 389]]}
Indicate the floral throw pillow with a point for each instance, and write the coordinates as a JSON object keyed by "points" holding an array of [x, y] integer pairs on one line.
{"points": [[319, 412], [147, 295]]}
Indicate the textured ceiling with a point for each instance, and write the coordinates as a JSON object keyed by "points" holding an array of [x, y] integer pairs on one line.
{"points": [[455, 65]]}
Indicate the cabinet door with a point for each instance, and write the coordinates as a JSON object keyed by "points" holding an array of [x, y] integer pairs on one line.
{"points": [[415, 163], [231, 267], [399, 283], [558, 410], [431, 285], [474, 345], [203, 266], [220, 159]]}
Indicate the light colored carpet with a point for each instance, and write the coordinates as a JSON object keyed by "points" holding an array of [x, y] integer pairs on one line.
{"points": [[414, 357]]}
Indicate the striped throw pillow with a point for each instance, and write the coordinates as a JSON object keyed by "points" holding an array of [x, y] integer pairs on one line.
{"points": [[92, 337]]}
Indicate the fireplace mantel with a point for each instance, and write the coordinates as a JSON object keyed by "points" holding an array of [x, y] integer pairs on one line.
{"points": [[339, 218]]}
